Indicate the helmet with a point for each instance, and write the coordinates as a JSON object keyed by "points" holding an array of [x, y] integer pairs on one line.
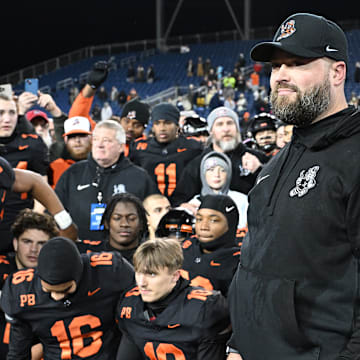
{"points": [[178, 222], [195, 126], [263, 121]]}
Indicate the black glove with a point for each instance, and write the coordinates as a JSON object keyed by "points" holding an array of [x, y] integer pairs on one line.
{"points": [[98, 74]]}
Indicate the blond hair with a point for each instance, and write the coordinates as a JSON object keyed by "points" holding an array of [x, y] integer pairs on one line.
{"points": [[157, 254]]}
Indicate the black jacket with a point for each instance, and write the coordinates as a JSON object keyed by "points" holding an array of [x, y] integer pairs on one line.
{"points": [[295, 294], [190, 185], [79, 187]]}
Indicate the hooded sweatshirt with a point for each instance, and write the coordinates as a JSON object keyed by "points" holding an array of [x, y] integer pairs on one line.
{"points": [[212, 159], [300, 260]]}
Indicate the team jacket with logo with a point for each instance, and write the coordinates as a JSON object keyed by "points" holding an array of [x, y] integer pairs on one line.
{"points": [[210, 271], [164, 162], [80, 185], [86, 246], [295, 294], [22, 151], [81, 326], [189, 184], [7, 266], [185, 329]]}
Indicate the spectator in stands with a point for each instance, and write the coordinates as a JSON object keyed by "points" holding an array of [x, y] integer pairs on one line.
{"points": [[102, 94], [76, 146], [140, 73], [219, 72], [130, 75], [254, 81], [122, 97], [156, 206], [357, 72], [165, 155], [200, 67], [241, 104], [229, 95], [114, 93], [240, 84], [23, 149], [31, 231], [124, 227], [217, 100], [40, 122], [212, 75], [223, 125], [241, 62], [207, 66], [134, 119], [106, 111], [87, 184], [228, 81], [132, 94], [150, 74], [190, 68], [73, 93]]}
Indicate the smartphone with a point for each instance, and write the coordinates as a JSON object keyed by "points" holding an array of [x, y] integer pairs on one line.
{"points": [[32, 85], [6, 90]]}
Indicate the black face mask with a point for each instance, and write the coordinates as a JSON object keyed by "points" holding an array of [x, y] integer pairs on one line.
{"points": [[226, 206]]}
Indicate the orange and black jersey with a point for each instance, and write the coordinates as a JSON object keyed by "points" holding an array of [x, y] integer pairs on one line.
{"points": [[7, 266], [7, 178], [210, 271], [81, 326], [164, 162], [87, 246], [22, 151], [185, 330]]}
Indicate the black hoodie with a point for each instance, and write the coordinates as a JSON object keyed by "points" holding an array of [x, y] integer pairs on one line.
{"points": [[295, 294]]}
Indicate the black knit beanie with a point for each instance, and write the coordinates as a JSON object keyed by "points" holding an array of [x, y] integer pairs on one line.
{"points": [[165, 111], [59, 261]]}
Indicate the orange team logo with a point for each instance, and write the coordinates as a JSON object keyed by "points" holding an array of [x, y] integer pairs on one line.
{"points": [[213, 263], [181, 149], [173, 326], [23, 147], [286, 30]]}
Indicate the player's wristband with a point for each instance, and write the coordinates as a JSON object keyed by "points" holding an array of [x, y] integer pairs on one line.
{"points": [[63, 219], [230, 350]]}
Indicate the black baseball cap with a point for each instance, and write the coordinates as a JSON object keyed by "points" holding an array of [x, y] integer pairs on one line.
{"points": [[305, 35]]}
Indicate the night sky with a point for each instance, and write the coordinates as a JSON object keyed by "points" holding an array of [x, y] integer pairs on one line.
{"points": [[34, 31]]}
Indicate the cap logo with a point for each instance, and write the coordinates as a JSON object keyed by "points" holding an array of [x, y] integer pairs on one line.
{"points": [[329, 49], [229, 208], [76, 121], [286, 30], [131, 114]]}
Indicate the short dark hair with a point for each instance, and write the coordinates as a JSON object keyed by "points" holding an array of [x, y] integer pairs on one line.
{"points": [[126, 198], [29, 219]]}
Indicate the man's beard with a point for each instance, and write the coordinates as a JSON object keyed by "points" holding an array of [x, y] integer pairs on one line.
{"points": [[226, 146], [306, 107], [79, 155]]}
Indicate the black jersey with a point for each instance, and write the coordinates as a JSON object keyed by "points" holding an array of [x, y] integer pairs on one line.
{"points": [[7, 178], [81, 326], [86, 246], [22, 151], [184, 330], [7, 266], [210, 271], [164, 162]]}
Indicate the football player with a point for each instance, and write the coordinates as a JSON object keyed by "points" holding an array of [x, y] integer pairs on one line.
{"points": [[68, 302], [165, 317]]}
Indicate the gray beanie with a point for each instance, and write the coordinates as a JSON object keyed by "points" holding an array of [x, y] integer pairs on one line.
{"points": [[221, 112]]}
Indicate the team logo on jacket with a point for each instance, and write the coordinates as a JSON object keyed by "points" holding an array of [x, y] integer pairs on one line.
{"points": [[305, 182], [119, 189]]}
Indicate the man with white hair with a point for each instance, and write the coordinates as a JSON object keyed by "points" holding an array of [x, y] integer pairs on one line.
{"points": [[86, 186], [225, 137]]}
